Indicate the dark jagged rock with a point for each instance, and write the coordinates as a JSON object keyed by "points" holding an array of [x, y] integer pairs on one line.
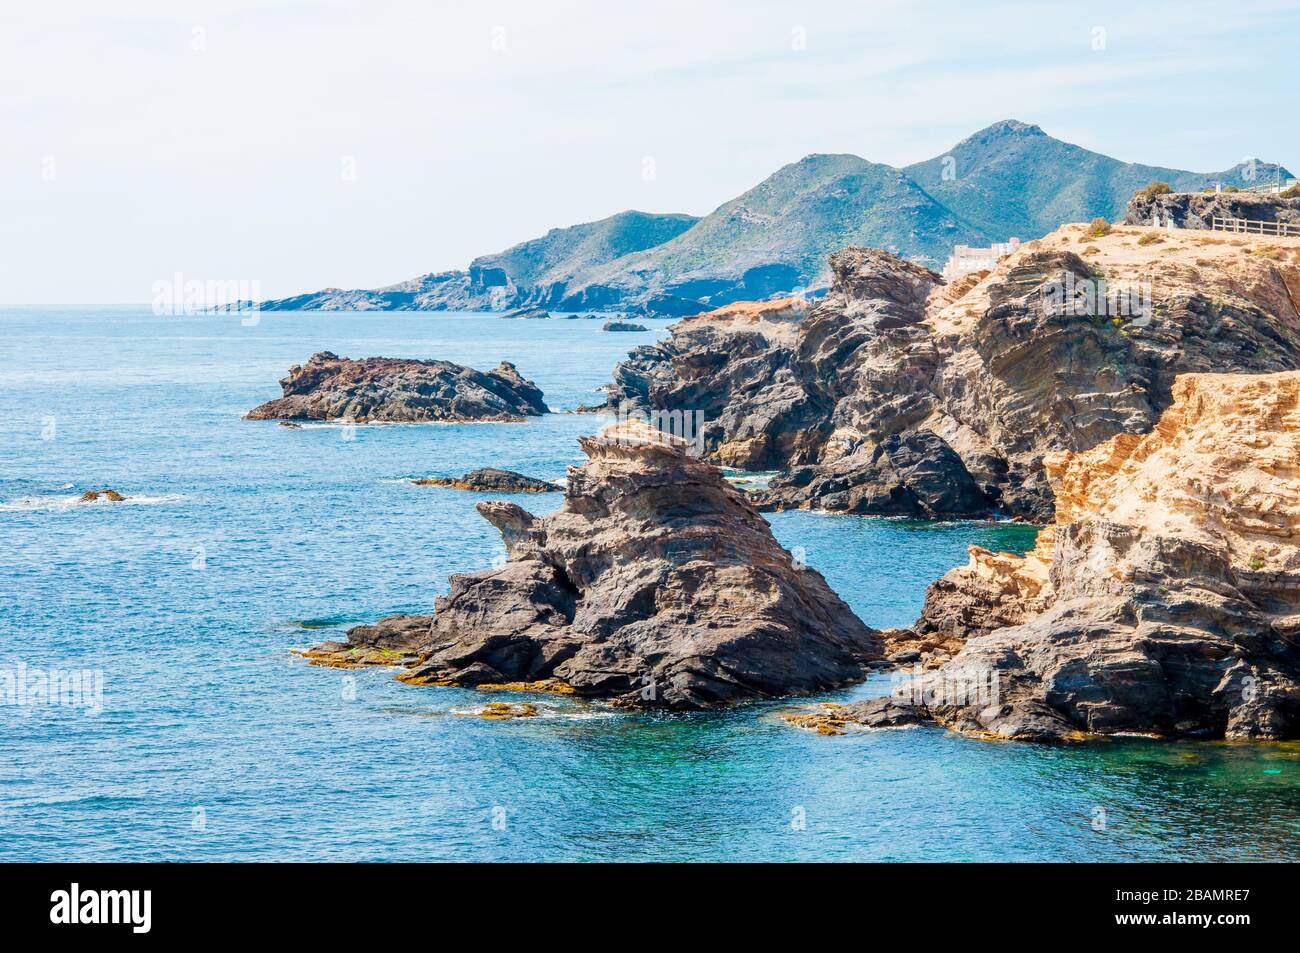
{"points": [[913, 473], [622, 326], [656, 584], [528, 314], [491, 480], [329, 387]]}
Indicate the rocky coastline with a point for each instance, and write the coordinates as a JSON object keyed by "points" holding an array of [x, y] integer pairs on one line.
{"points": [[1135, 390], [899, 395], [1163, 599]]}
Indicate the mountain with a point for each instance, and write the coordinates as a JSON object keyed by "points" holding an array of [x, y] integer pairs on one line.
{"points": [[534, 272], [779, 236], [1009, 179], [542, 268], [1014, 179]]}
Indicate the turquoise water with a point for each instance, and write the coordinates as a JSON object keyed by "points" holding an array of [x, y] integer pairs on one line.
{"points": [[245, 539]]}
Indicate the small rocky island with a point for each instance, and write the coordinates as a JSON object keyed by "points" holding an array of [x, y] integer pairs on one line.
{"points": [[623, 326], [492, 480], [329, 387], [656, 584]]}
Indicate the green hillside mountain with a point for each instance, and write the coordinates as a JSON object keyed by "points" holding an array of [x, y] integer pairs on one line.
{"points": [[1009, 179], [1014, 179], [555, 257], [778, 236]]}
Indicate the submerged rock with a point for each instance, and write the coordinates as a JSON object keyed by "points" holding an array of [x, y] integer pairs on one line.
{"points": [[491, 480], [503, 711], [656, 584], [832, 719], [329, 387], [90, 496], [1163, 599]]}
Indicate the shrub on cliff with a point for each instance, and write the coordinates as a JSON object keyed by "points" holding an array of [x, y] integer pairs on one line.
{"points": [[1097, 228], [1152, 190]]}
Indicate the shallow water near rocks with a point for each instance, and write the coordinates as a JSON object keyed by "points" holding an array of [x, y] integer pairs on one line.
{"points": [[245, 539]]}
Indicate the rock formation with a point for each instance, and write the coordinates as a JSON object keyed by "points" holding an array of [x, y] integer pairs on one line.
{"points": [[491, 480], [656, 584], [898, 395], [622, 326], [1164, 598], [329, 387], [1199, 209]]}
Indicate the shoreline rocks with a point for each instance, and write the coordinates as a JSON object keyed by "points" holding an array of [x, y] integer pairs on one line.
{"points": [[898, 395], [492, 480], [401, 390], [655, 585], [1165, 597]]}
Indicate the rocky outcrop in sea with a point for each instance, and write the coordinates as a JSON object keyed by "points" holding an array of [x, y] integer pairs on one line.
{"points": [[533, 314], [899, 395], [492, 480], [329, 387], [1164, 598], [656, 584]]}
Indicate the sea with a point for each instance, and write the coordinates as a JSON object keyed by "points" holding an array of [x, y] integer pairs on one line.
{"points": [[178, 725]]}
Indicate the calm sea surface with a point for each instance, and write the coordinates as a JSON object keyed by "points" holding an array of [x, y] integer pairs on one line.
{"points": [[242, 540]]}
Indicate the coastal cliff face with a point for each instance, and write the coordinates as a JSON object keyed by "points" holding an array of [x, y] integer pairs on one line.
{"points": [[897, 395], [1199, 209], [1163, 598], [656, 584], [329, 387]]}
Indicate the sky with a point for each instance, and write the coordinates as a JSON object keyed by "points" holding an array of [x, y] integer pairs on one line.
{"points": [[304, 144]]}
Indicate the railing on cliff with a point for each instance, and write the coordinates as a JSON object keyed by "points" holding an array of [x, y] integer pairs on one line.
{"points": [[1248, 227]]}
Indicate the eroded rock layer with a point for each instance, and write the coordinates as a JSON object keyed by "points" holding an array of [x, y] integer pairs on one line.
{"points": [[329, 387], [656, 584], [1164, 597]]}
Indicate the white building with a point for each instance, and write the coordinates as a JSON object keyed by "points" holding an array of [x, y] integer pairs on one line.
{"points": [[965, 259]]}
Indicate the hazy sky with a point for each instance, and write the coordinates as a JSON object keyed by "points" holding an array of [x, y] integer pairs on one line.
{"points": [[309, 143]]}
